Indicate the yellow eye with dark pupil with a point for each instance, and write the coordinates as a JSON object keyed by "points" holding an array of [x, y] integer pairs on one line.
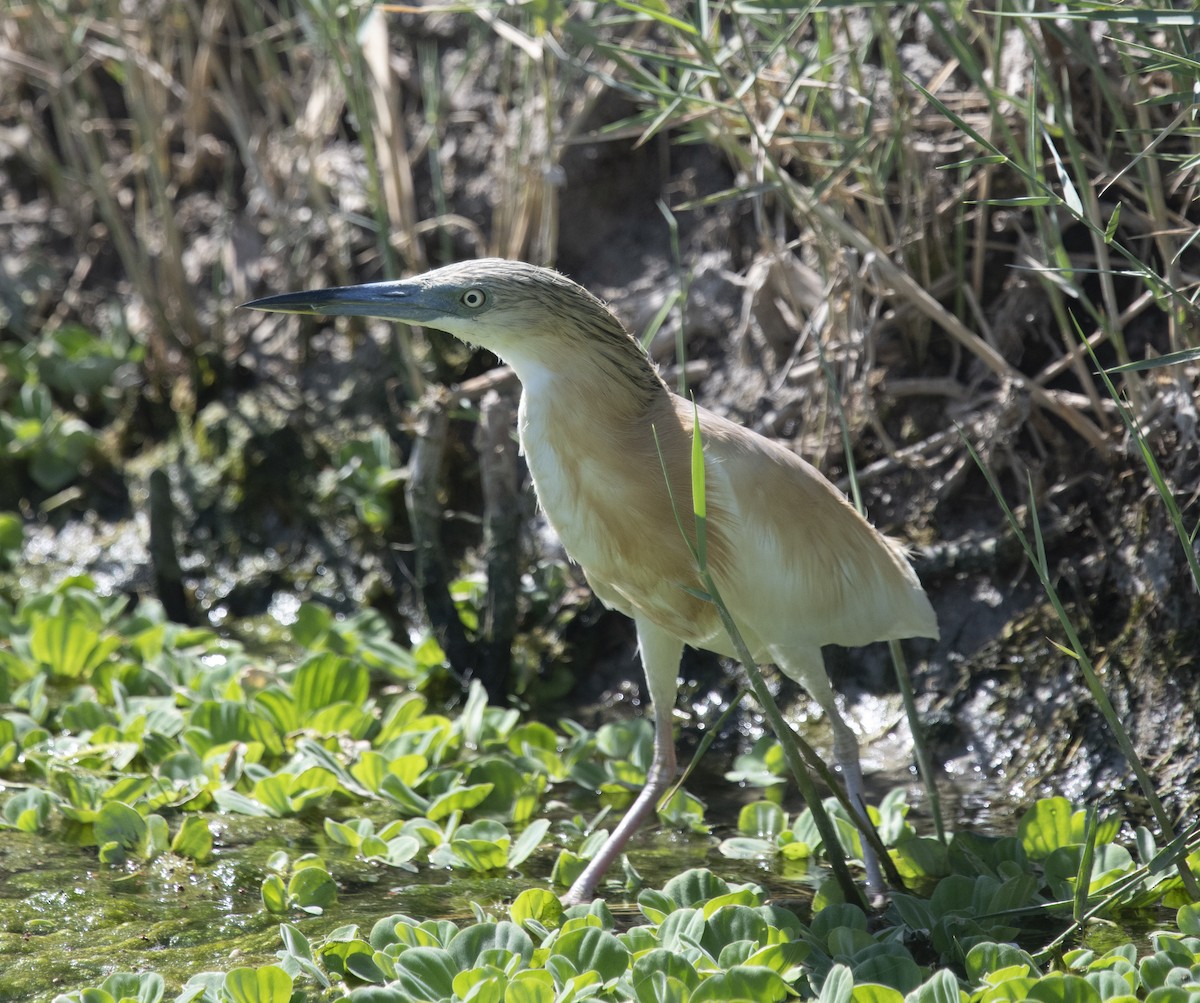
{"points": [[473, 298]]}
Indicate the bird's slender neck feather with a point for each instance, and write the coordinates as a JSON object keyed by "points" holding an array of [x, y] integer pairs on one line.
{"points": [[584, 353]]}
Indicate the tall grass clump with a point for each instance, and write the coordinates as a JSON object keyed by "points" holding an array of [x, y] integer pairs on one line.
{"points": [[897, 181]]}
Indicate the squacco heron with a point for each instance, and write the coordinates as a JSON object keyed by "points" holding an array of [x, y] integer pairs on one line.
{"points": [[601, 432]]}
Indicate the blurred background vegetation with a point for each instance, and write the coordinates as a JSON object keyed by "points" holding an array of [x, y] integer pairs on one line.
{"points": [[898, 222]]}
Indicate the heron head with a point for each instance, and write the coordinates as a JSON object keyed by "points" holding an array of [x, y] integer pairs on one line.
{"points": [[491, 302]]}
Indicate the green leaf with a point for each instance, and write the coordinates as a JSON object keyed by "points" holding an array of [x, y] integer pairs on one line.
{"points": [[142, 987], [743, 848], [274, 894], [364, 967], [742, 984], [532, 735], [506, 780], [657, 970], [272, 793], [28, 810], [483, 983], [761, 820], [224, 722], [400, 850], [470, 946], [527, 842], [1047, 826], [426, 973], [836, 916], [157, 840], [783, 958], [594, 949], [458, 799], [922, 856], [406, 799], [294, 942], [869, 992], [1059, 988], [538, 905], [846, 942], [941, 988], [1070, 194], [350, 833], [194, 839], [279, 708], [326, 679], [682, 929], [120, 824], [344, 950], [379, 994], [403, 932], [530, 986], [408, 769], [233, 801], [888, 965], [312, 889], [68, 647], [269, 984], [1188, 919], [695, 887], [1110, 229], [479, 855], [658, 987], [986, 958], [731, 924]]}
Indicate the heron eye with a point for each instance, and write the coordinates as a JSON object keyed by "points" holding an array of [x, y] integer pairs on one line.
{"points": [[474, 298]]}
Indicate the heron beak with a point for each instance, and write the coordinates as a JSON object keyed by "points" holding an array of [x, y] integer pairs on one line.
{"points": [[404, 301]]}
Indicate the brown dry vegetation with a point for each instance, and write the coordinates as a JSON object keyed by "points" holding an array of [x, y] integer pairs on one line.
{"points": [[891, 218]]}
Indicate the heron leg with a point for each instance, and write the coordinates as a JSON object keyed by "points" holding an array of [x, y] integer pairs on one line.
{"points": [[660, 653], [845, 751], [810, 672]]}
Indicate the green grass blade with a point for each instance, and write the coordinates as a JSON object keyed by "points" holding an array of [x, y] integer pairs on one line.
{"points": [[1170, 359], [699, 501]]}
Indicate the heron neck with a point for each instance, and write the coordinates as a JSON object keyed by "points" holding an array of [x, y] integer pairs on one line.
{"points": [[606, 381]]}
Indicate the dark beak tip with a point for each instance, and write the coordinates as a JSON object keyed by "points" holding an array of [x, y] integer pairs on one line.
{"points": [[257, 304], [283, 303]]}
